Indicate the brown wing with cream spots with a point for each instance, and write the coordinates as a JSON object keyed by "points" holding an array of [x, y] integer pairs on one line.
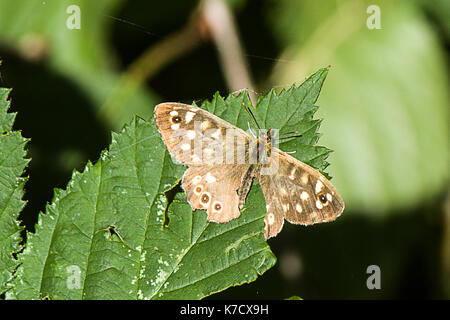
{"points": [[195, 136], [298, 193], [214, 188]]}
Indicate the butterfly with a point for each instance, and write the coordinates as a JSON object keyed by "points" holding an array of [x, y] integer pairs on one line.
{"points": [[223, 160]]}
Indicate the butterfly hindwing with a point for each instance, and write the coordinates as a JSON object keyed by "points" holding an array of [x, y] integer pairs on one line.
{"points": [[214, 189]]}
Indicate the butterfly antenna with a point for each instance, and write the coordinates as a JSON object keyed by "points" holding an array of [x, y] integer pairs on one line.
{"points": [[293, 136], [251, 115], [251, 131]]}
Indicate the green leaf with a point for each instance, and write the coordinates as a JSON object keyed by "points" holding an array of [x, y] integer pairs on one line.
{"points": [[12, 165], [288, 111], [112, 234], [294, 298], [277, 111]]}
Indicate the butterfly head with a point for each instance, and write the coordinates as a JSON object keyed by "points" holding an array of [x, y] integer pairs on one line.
{"points": [[264, 142]]}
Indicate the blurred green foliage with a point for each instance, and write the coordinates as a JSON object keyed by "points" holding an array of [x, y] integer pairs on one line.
{"points": [[386, 104], [385, 107], [38, 28]]}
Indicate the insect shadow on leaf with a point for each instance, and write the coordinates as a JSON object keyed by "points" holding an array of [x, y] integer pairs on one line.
{"points": [[170, 195], [112, 229]]}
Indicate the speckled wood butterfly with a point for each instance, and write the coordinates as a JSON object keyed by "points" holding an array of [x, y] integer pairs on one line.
{"points": [[222, 161]]}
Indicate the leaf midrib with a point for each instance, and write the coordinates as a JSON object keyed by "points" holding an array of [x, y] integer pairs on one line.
{"points": [[179, 260], [100, 180], [150, 203], [219, 270], [198, 242]]}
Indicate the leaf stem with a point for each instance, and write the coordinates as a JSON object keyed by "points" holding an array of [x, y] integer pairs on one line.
{"points": [[150, 63], [222, 29]]}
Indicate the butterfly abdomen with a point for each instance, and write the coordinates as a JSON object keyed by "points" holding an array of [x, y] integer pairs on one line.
{"points": [[246, 184]]}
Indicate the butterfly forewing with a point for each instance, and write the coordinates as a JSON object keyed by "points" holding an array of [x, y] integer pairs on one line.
{"points": [[194, 136], [298, 193], [198, 139]]}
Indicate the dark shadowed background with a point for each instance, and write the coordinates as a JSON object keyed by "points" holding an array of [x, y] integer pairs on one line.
{"points": [[385, 107]]}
